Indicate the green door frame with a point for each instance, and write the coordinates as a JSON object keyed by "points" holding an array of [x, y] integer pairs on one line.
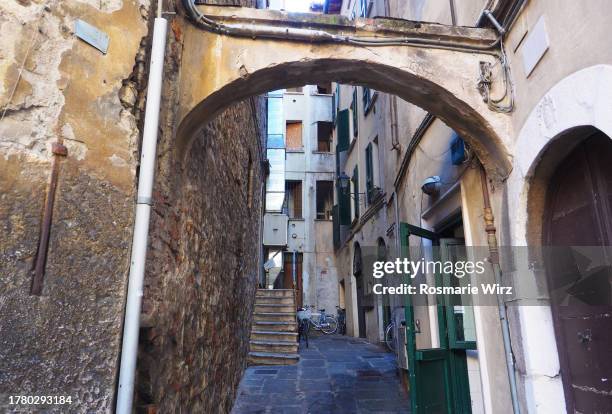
{"points": [[450, 357]]}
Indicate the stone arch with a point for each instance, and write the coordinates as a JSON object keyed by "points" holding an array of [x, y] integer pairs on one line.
{"points": [[443, 82]]}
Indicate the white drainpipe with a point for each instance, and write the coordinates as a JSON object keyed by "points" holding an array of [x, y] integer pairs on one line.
{"points": [[131, 324]]}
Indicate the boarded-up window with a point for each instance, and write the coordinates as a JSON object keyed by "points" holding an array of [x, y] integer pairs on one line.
{"points": [[293, 199], [294, 135]]}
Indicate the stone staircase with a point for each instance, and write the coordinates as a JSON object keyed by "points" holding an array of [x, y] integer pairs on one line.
{"points": [[274, 330]]}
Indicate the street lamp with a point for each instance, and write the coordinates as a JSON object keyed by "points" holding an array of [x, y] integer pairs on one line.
{"points": [[344, 181]]}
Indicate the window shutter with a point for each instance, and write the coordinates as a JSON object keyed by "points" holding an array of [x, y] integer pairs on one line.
{"points": [[367, 96], [297, 200], [336, 223], [354, 108], [369, 173], [356, 195], [343, 130], [344, 198]]}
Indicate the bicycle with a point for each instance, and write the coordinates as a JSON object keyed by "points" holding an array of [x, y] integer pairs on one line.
{"points": [[303, 328], [390, 339], [390, 336], [341, 320], [319, 321]]}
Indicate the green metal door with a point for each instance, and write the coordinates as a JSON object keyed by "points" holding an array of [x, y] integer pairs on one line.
{"points": [[438, 376]]}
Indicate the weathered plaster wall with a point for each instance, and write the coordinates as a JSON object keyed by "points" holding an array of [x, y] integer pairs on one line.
{"points": [[66, 341], [202, 268]]}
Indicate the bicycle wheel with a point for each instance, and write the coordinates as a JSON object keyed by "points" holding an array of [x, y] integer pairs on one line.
{"points": [[390, 337], [330, 326]]}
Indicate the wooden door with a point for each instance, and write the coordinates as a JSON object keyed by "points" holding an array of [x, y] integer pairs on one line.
{"points": [[288, 275], [578, 214]]}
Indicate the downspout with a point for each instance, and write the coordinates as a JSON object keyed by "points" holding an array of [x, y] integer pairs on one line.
{"points": [[131, 324], [503, 316]]}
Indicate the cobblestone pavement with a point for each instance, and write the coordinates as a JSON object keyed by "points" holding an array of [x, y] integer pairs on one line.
{"points": [[335, 375]]}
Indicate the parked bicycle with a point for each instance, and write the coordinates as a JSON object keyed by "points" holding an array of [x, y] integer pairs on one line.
{"points": [[341, 320], [327, 324], [391, 332], [390, 337], [303, 328]]}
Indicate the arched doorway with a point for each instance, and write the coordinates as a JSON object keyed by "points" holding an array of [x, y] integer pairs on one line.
{"points": [[577, 227]]}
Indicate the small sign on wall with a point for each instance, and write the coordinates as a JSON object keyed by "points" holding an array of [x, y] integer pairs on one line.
{"points": [[535, 46], [90, 34]]}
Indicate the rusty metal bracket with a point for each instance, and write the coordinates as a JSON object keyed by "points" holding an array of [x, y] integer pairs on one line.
{"points": [[58, 150]]}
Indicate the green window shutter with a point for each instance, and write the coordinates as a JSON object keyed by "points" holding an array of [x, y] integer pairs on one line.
{"points": [[369, 172], [367, 96], [343, 131], [356, 186], [344, 198], [334, 108], [336, 223], [354, 108]]}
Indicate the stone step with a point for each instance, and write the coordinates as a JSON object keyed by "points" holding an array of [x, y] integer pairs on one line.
{"points": [[275, 293], [281, 347], [274, 316], [274, 307], [274, 336], [270, 358], [275, 300], [275, 326]]}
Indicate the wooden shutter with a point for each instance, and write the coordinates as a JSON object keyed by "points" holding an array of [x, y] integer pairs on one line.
{"points": [[344, 198], [354, 108], [356, 186], [343, 130], [336, 222], [297, 199], [369, 172]]}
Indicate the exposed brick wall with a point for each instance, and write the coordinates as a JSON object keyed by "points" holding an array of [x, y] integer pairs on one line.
{"points": [[202, 272], [203, 265]]}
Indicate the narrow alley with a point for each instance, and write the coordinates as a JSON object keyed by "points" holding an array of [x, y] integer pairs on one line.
{"points": [[422, 188], [335, 374]]}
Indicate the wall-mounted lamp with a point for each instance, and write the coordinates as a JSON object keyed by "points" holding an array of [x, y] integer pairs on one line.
{"points": [[431, 185], [344, 181]]}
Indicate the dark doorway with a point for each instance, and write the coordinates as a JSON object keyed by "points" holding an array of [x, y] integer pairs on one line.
{"points": [[578, 213], [360, 285]]}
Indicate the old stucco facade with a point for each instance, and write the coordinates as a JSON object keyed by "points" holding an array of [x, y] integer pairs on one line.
{"points": [[67, 340], [208, 189]]}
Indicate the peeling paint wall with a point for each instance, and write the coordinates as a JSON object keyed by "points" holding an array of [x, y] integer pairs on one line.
{"points": [[54, 87], [204, 243]]}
